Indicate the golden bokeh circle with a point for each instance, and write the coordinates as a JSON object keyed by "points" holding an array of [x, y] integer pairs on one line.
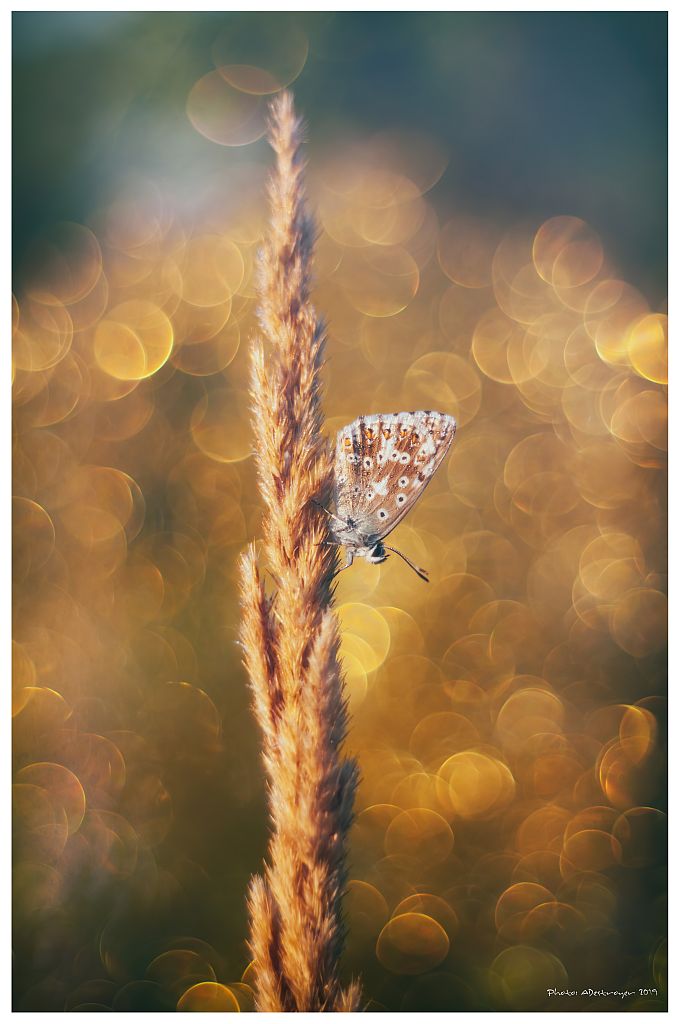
{"points": [[419, 833], [476, 785], [567, 252], [134, 340], [208, 997], [521, 976], [412, 943], [432, 906], [264, 61], [220, 425], [639, 621], [223, 114], [465, 249], [366, 635], [447, 381], [64, 789], [648, 347], [209, 270], [379, 282]]}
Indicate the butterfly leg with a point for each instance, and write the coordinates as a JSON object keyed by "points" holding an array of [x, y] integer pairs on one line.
{"points": [[328, 512], [350, 559]]}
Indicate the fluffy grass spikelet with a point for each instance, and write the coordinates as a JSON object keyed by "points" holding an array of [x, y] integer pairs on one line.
{"points": [[290, 639]]}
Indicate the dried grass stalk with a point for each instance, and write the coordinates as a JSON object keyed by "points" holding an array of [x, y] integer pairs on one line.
{"points": [[291, 640]]}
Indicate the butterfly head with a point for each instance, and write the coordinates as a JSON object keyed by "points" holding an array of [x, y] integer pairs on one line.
{"points": [[375, 554], [345, 532]]}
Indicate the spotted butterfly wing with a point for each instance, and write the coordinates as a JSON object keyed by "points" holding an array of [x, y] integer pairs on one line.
{"points": [[383, 464]]}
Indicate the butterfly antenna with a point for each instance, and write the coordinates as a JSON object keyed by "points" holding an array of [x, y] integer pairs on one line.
{"points": [[328, 512], [419, 572]]}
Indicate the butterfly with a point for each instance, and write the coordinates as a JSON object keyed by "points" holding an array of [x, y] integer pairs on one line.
{"points": [[383, 463]]}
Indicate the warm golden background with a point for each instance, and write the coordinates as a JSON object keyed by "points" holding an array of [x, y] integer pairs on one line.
{"points": [[489, 195]]}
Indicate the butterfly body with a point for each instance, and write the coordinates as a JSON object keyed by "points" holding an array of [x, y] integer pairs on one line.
{"points": [[383, 463]]}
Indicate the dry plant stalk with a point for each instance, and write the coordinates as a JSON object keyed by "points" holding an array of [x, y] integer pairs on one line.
{"points": [[290, 640]]}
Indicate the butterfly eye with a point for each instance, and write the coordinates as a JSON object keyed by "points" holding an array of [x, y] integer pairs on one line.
{"points": [[380, 458], [382, 514], [403, 481], [404, 457], [401, 498], [369, 496], [368, 462], [394, 456]]}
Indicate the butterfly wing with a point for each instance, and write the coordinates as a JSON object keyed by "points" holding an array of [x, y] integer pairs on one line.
{"points": [[383, 463]]}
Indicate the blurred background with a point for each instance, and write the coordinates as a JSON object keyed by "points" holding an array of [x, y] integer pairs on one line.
{"points": [[490, 191]]}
